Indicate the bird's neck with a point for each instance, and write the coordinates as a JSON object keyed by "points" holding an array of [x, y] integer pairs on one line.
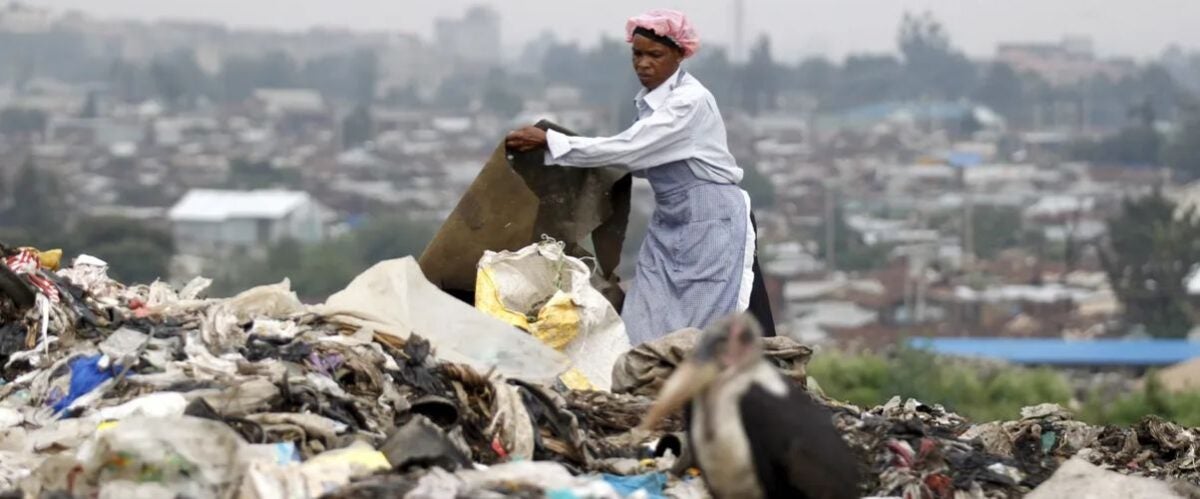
{"points": [[729, 389]]}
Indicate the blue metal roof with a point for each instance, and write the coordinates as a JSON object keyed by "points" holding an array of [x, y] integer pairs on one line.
{"points": [[961, 159], [1141, 353]]}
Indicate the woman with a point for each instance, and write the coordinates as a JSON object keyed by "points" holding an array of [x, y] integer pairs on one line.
{"points": [[697, 262]]}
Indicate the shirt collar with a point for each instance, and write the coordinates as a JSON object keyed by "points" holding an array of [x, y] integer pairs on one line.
{"points": [[655, 98]]}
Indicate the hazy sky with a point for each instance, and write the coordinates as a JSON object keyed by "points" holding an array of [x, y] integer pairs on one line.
{"points": [[836, 27]]}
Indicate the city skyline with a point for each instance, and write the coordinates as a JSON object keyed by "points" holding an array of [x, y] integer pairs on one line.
{"points": [[1135, 29]]}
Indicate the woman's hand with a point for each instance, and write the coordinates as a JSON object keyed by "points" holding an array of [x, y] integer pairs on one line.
{"points": [[526, 139]]}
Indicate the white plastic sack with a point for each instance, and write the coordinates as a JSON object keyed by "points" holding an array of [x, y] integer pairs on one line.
{"points": [[393, 299], [542, 275]]}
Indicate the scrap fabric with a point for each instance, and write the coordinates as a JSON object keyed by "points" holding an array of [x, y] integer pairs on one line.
{"points": [[27, 263]]}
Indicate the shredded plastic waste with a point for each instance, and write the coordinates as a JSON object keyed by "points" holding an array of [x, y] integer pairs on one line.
{"points": [[393, 388]]}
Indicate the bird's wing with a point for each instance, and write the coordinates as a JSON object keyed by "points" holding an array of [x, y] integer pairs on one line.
{"points": [[797, 450]]}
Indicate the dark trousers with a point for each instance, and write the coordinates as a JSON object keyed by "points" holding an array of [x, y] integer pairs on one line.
{"points": [[760, 303]]}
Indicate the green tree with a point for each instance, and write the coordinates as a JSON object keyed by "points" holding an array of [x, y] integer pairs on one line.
{"points": [[817, 76], [851, 251], [95, 231], [1137, 144], [240, 76], [178, 78], [996, 229], [358, 127], [1151, 248], [167, 82], [90, 107], [1182, 151], [760, 79], [38, 204], [134, 260], [129, 83], [351, 75], [602, 73], [392, 236], [365, 72], [1003, 90], [247, 175], [499, 99], [712, 66], [5, 195], [455, 93], [404, 96], [866, 79], [327, 268], [136, 251], [18, 121], [933, 67], [318, 270], [759, 187]]}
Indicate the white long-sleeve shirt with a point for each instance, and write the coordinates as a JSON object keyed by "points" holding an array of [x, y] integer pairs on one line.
{"points": [[678, 121]]}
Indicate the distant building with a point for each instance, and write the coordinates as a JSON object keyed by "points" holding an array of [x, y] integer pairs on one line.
{"points": [[105, 132], [1064, 63], [220, 223], [957, 117], [293, 110], [473, 39], [280, 102], [17, 17]]}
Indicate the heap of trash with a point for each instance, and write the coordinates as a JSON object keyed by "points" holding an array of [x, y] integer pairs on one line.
{"points": [[393, 388]]}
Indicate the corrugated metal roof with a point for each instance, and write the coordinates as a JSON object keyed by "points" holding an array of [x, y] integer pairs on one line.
{"points": [[208, 205], [1143, 353]]}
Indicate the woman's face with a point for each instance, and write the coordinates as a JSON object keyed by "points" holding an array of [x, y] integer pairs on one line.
{"points": [[654, 62]]}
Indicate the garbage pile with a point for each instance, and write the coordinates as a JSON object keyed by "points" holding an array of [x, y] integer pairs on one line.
{"points": [[144, 391], [391, 388], [915, 450]]}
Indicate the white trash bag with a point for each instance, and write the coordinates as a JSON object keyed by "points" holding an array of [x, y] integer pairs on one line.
{"points": [[549, 294]]}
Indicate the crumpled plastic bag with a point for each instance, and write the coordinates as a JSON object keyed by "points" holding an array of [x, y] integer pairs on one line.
{"points": [[394, 300], [222, 331], [547, 293], [1079, 478], [91, 275]]}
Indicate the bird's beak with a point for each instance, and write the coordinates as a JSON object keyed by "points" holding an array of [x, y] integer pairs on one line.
{"points": [[689, 379]]}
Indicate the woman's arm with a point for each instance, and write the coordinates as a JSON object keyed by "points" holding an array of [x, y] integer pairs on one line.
{"points": [[661, 138]]}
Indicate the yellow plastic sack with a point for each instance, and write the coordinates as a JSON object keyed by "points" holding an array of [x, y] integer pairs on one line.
{"points": [[556, 323], [548, 294], [50, 259]]}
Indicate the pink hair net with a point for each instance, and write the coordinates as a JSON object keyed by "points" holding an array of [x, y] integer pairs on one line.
{"points": [[669, 23]]}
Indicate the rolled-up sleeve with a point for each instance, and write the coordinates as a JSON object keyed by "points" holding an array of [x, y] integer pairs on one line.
{"points": [[661, 138], [557, 144]]}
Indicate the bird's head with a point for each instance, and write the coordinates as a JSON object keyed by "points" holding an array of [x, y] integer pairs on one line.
{"points": [[727, 347]]}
